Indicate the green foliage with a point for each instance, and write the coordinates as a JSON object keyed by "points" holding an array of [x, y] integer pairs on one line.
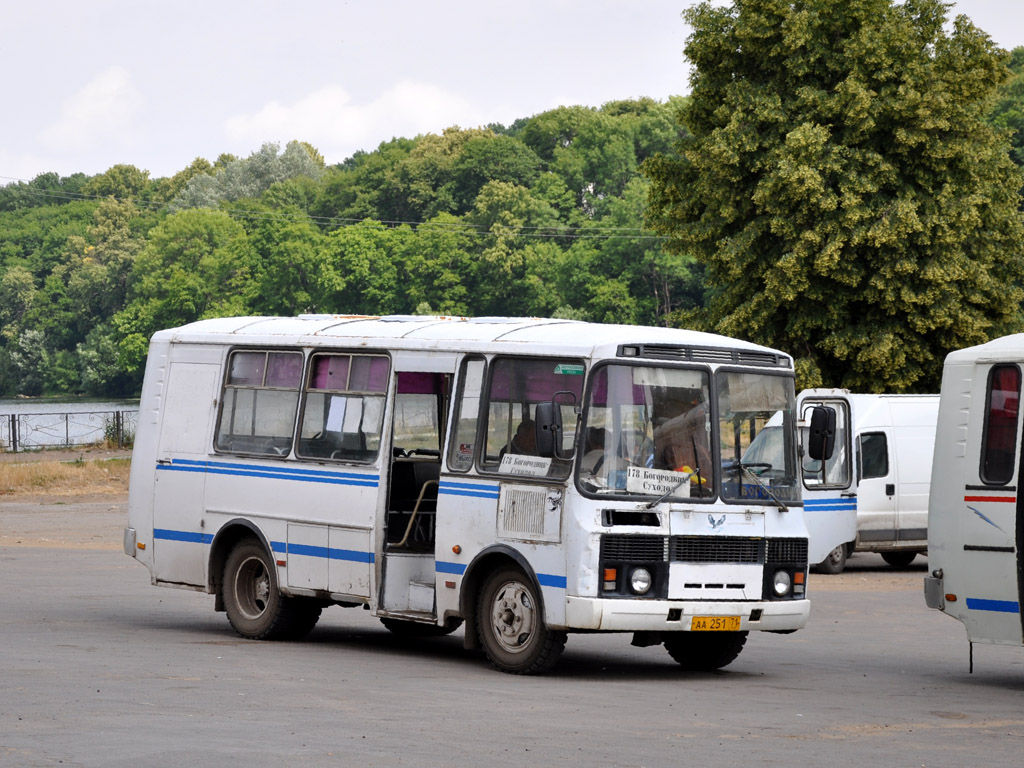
{"points": [[239, 179], [841, 184]]}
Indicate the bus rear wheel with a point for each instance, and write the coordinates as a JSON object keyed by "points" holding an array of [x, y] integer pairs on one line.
{"points": [[704, 651], [512, 629], [253, 602]]}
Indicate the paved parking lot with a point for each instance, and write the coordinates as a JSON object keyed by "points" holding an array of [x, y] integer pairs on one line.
{"points": [[101, 669]]}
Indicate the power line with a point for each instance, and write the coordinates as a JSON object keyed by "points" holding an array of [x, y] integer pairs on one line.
{"points": [[554, 232]]}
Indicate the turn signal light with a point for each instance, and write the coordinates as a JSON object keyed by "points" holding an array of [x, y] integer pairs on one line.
{"points": [[610, 578]]}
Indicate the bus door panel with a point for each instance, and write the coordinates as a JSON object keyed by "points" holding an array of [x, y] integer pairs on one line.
{"points": [[180, 482], [986, 575], [420, 410], [876, 491]]}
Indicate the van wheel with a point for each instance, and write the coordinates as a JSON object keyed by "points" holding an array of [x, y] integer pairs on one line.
{"points": [[899, 559], [704, 651], [835, 562], [253, 602], [512, 629]]}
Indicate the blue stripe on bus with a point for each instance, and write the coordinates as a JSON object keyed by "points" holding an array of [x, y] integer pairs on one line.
{"points": [[444, 567], [283, 473], [330, 553], [279, 547], [189, 536], [999, 606], [544, 579], [476, 490], [829, 505], [550, 580]]}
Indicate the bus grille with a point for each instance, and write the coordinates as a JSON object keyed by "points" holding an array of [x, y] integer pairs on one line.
{"points": [[787, 550], [634, 549], [630, 548], [706, 549], [711, 355]]}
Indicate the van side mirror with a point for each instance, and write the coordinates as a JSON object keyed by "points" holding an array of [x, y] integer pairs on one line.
{"points": [[548, 418], [821, 439]]}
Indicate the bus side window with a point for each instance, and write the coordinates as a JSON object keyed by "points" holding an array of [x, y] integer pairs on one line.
{"points": [[261, 393], [463, 442], [1002, 404], [874, 455], [343, 407]]}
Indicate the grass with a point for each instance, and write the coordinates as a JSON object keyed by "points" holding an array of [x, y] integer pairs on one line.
{"points": [[107, 477]]}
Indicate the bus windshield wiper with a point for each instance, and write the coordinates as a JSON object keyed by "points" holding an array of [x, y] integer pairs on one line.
{"points": [[670, 491], [763, 487]]}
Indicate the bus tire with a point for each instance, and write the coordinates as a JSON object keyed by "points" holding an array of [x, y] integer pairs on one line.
{"points": [[704, 651], [511, 625], [253, 602], [835, 562], [899, 559], [415, 629]]}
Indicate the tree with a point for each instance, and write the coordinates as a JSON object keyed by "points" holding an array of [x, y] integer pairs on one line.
{"points": [[238, 179], [1008, 112], [842, 186], [196, 264]]}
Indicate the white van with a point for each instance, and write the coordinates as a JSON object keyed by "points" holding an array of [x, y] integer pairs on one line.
{"points": [[881, 468], [976, 531], [871, 495]]}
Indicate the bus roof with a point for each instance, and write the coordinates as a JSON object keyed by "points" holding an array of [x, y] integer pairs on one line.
{"points": [[506, 334], [1004, 348]]}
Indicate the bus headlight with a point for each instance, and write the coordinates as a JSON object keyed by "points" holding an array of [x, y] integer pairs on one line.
{"points": [[640, 580], [782, 583]]}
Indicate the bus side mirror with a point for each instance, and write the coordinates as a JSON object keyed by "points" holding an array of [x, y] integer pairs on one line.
{"points": [[548, 418], [550, 432], [821, 439]]}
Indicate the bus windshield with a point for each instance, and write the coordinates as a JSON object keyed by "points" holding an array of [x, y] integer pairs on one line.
{"points": [[649, 431]]}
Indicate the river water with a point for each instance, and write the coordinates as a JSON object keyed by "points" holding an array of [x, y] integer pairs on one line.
{"points": [[33, 423]]}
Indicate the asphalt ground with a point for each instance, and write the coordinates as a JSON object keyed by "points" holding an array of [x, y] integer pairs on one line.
{"points": [[99, 668]]}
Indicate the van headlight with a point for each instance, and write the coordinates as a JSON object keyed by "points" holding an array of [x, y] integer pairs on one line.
{"points": [[782, 583], [640, 580]]}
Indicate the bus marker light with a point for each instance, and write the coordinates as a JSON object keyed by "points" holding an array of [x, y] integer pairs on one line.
{"points": [[141, 545], [450, 584], [610, 577], [282, 563], [456, 549], [950, 598]]}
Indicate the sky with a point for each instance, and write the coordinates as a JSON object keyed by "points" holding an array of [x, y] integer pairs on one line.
{"points": [[94, 83]]}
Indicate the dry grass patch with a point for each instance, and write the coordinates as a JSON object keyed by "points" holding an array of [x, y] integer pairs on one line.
{"points": [[106, 477]]}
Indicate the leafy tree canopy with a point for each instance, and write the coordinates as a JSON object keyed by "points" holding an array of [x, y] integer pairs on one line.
{"points": [[843, 187]]}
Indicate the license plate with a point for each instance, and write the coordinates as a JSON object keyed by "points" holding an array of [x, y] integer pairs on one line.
{"points": [[715, 624]]}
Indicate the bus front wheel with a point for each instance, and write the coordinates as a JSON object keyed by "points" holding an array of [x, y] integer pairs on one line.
{"points": [[254, 604], [704, 651], [512, 629]]}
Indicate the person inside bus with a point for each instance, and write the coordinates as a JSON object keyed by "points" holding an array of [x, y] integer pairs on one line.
{"points": [[524, 442], [594, 450]]}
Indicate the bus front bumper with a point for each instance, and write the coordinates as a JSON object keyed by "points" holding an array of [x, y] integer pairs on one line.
{"points": [[677, 615]]}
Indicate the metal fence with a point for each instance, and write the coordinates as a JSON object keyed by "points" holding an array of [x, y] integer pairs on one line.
{"points": [[36, 431]]}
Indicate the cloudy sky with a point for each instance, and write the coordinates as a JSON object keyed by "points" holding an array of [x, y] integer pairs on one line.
{"points": [[89, 84]]}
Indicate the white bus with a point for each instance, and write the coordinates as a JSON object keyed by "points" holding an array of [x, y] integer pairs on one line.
{"points": [[975, 512], [525, 477]]}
